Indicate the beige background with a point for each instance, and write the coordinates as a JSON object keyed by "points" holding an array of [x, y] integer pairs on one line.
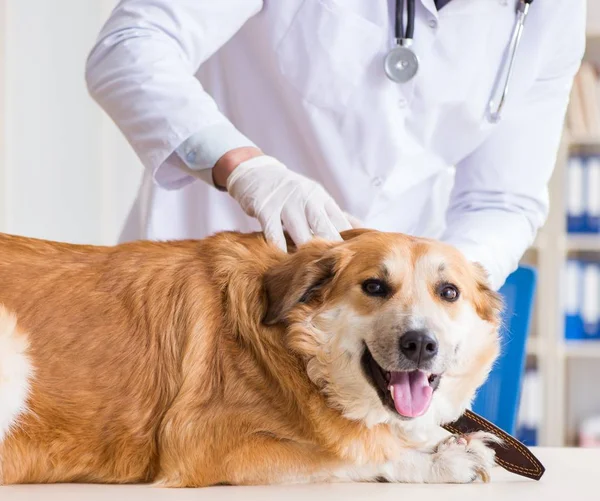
{"points": [[65, 171]]}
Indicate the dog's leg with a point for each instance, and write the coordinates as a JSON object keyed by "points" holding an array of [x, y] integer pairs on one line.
{"points": [[464, 458], [457, 459], [260, 460], [264, 460]]}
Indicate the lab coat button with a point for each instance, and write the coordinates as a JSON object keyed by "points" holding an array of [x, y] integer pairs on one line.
{"points": [[377, 182], [433, 24], [402, 103]]}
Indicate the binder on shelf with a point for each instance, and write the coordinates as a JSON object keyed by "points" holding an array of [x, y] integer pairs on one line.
{"points": [[572, 299], [589, 432], [590, 305], [530, 407], [575, 195], [592, 194]]}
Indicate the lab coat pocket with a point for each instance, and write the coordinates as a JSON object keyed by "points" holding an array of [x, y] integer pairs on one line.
{"points": [[326, 51]]}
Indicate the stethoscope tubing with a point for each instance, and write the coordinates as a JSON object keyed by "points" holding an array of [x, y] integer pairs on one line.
{"points": [[502, 85], [399, 31], [402, 50]]}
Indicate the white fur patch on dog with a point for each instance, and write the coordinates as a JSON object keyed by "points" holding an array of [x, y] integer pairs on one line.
{"points": [[15, 372]]}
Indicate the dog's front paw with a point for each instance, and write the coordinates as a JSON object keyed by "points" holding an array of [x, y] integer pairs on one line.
{"points": [[464, 458]]}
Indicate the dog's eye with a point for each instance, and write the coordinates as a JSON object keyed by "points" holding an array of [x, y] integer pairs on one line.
{"points": [[374, 287], [449, 292]]}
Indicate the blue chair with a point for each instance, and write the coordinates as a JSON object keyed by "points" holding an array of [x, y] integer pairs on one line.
{"points": [[498, 399]]}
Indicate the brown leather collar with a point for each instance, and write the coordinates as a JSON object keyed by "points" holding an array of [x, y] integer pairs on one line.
{"points": [[512, 455]]}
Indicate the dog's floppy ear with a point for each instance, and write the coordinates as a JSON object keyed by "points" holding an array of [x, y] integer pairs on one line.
{"points": [[298, 278], [488, 303]]}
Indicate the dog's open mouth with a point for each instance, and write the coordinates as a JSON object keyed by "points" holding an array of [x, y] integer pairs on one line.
{"points": [[408, 393]]}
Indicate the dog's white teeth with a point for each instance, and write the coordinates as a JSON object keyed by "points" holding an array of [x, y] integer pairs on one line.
{"points": [[391, 388]]}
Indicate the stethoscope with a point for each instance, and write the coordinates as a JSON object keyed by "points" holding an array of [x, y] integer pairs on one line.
{"points": [[402, 64]]}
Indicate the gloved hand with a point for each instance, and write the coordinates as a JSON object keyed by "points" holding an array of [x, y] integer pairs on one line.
{"points": [[267, 190]]}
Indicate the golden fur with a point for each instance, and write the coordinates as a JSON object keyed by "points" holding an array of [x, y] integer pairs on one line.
{"points": [[196, 363]]}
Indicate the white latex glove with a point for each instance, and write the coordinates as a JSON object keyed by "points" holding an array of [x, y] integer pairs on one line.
{"points": [[267, 190]]}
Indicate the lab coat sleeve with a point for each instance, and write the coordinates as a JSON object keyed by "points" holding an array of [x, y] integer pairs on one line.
{"points": [[141, 72], [500, 196]]}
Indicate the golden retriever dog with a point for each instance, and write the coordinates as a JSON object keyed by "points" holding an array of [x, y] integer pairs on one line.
{"points": [[227, 361]]}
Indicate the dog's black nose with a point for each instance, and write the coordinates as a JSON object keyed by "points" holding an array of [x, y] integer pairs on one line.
{"points": [[418, 346]]}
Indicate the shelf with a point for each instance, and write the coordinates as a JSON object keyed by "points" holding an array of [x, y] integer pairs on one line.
{"points": [[593, 34], [592, 50], [571, 348], [533, 346], [538, 244], [540, 241], [584, 140], [583, 242], [582, 349]]}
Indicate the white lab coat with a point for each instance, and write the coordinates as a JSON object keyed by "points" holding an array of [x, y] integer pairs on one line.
{"points": [[304, 80]]}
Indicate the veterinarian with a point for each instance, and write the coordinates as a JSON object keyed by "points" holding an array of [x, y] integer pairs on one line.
{"points": [[435, 118]]}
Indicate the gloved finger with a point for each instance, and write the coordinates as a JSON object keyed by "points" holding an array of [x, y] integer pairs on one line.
{"points": [[336, 216], [294, 220], [354, 221], [320, 224], [273, 232]]}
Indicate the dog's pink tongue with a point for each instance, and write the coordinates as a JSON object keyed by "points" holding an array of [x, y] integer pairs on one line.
{"points": [[412, 393]]}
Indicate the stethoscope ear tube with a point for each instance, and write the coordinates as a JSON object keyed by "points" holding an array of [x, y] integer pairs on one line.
{"points": [[502, 83]]}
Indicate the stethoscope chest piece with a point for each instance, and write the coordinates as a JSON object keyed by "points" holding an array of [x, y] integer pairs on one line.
{"points": [[401, 64]]}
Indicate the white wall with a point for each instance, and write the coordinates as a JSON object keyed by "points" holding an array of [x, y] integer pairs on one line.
{"points": [[66, 173]]}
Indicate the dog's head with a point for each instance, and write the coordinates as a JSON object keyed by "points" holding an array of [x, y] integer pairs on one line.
{"points": [[393, 329]]}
